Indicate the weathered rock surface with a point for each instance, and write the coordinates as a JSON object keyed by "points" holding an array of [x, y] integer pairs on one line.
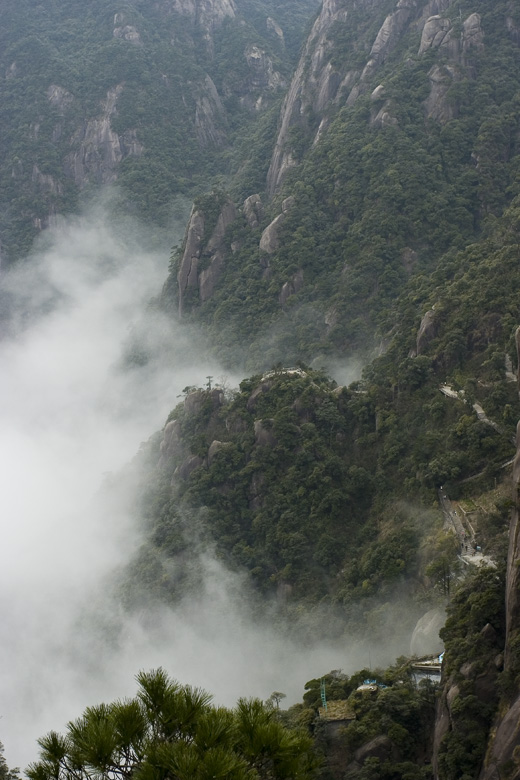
{"points": [[128, 33], [391, 30], [59, 97], [171, 445], [46, 182], [320, 80], [426, 332], [517, 342], [274, 28], [264, 436], [503, 749], [210, 276], [311, 87], [270, 240], [253, 211], [210, 117], [194, 401], [514, 30], [384, 117], [187, 276], [380, 747], [263, 387], [425, 637], [262, 73], [205, 14], [99, 148], [437, 106], [187, 467], [215, 448], [227, 214], [292, 287], [472, 33], [434, 33]]}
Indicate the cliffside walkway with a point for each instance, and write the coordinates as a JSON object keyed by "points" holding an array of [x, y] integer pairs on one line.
{"points": [[459, 395], [470, 553]]}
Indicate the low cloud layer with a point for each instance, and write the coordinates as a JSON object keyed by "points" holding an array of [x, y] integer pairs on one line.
{"points": [[89, 371]]}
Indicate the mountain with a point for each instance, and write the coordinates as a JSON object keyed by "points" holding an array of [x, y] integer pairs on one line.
{"points": [[387, 230], [153, 96], [396, 147], [364, 211]]}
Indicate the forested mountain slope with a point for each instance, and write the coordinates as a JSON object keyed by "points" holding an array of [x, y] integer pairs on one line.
{"points": [[397, 146], [373, 216], [151, 95]]}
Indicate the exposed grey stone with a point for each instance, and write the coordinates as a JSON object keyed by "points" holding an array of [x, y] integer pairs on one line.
{"points": [[391, 30], [452, 694], [291, 287], [384, 117], [274, 28], [227, 215], [209, 277], [264, 436], [99, 148], [308, 88], [425, 637], [171, 445], [270, 240], [472, 33], [187, 273], [46, 182], [434, 33], [59, 97], [380, 747], [378, 93], [253, 211], [437, 107], [186, 468], [215, 448], [426, 332], [288, 204], [262, 74], [263, 387], [210, 117], [128, 33]]}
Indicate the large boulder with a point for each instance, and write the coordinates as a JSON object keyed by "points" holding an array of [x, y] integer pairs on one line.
{"points": [[425, 637], [426, 333]]}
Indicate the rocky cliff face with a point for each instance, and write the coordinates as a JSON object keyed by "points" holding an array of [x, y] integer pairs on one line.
{"points": [[322, 80], [98, 150], [155, 89], [202, 260], [503, 757], [205, 16]]}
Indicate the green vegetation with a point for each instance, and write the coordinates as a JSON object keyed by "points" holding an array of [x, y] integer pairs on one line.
{"points": [[474, 636], [172, 731], [5, 772], [174, 133], [307, 487], [385, 213], [325, 496], [380, 732]]}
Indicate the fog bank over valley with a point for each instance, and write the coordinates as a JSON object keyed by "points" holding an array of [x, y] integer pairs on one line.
{"points": [[89, 370]]}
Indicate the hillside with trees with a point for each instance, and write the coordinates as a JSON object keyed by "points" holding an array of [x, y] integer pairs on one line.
{"points": [[356, 202]]}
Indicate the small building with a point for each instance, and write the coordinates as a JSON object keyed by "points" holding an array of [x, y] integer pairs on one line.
{"points": [[337, 715]]}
